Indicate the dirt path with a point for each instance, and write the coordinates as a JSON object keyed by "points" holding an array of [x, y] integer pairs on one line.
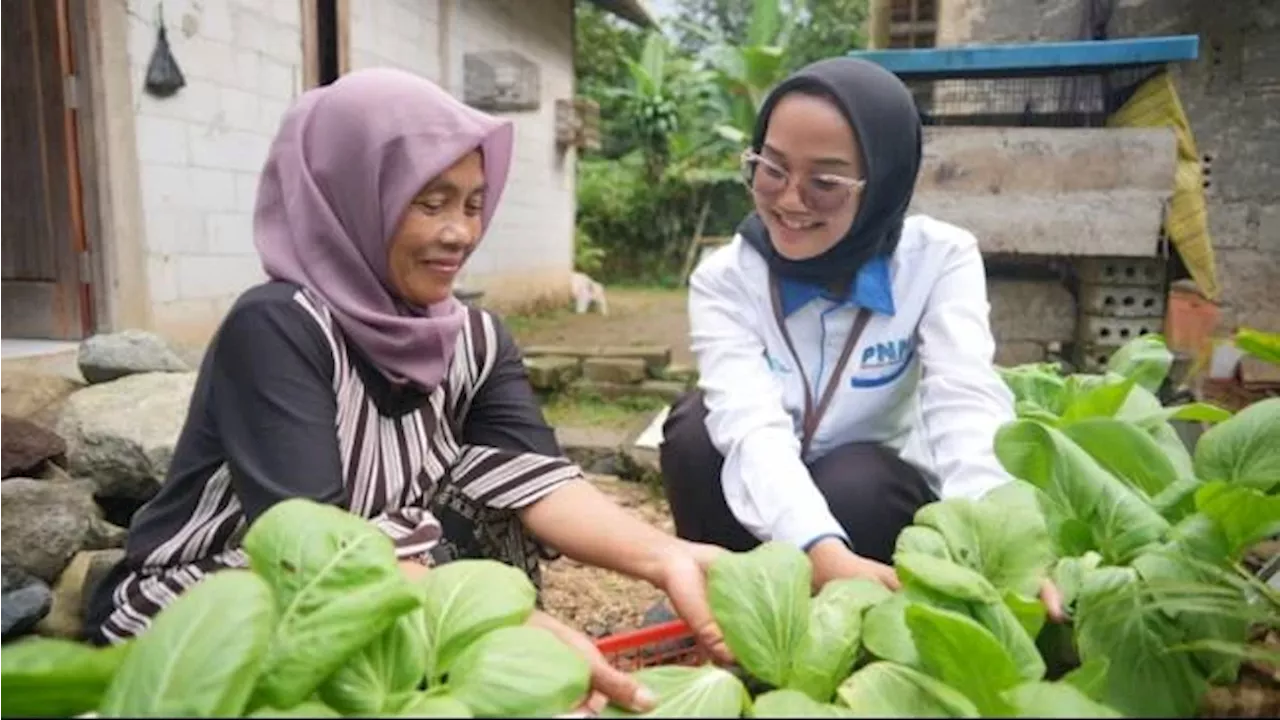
{"points": [[636, 317]]}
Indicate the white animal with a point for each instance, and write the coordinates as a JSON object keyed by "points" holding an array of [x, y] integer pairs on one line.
{"points": [[587, 291]]}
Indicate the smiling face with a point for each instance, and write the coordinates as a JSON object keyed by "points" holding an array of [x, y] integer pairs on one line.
{"points": [[437, 233], [805, 187]]}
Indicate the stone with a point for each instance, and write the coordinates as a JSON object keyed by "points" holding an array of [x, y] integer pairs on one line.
{"points": [[573, 351], [655, 357], [686, 374], [24, 601], [625, 371], [1038, 310], [45, 524], [122, 433], [1256, 371], [595, 450], [26, 446], [71, 593], [552, 372], [36, 396], [664, 390], [107, 357]]}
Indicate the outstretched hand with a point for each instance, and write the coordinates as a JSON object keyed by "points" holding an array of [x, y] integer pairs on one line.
{"points": [[684, 579]]}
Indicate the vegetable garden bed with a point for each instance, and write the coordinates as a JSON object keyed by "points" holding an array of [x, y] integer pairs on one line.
{"points": [[1144, 538]]}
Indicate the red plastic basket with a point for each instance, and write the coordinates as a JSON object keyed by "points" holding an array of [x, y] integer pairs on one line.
{"points": [[669, 643]]}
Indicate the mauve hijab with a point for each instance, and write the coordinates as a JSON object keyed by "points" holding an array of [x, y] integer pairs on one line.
{"points": [[346, 163]]}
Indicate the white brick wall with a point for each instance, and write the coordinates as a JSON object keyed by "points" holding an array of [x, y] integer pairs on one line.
{"points": [[200, 151]]}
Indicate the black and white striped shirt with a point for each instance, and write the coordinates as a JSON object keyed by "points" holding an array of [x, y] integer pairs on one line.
{"points": [[283, 407]]}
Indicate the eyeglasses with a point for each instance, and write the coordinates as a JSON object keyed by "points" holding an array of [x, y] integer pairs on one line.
{"points": [[820, 192]]}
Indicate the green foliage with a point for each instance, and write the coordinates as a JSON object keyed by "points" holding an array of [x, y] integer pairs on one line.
{"points": [[324, 624]]}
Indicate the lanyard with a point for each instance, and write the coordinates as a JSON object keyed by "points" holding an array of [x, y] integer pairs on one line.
{"points": [[812, 415]]}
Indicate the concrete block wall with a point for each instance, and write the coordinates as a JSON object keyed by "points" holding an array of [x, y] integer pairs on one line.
{"points": [[1232, 98], [200, 151]]}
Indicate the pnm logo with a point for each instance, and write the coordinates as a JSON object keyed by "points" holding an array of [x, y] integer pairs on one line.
{"points": [[886, 354]]}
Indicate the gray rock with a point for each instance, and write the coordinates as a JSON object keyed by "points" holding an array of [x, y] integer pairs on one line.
{"points": [[24, 601], [108, 357], [122, 433], [27, 445], [45, 524], [65, 618]]}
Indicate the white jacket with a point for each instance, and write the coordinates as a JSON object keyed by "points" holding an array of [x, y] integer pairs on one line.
{"points": [[920, 379]]}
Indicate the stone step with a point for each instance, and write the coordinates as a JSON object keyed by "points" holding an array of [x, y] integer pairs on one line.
{"points": [[606, 451], [621, 371], [656, 358], [665, 390], [552, 372]]}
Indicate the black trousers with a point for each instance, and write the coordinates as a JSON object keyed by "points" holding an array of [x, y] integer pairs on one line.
{"points": [[870, 490]]}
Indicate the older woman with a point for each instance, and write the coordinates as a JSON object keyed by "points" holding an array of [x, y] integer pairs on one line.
{"points": [[353, 377]]}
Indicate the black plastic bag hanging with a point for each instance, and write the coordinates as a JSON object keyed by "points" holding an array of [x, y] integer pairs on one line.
{"points": [[164, 78]]}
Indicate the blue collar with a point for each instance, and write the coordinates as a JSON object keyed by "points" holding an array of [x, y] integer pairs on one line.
{"points": [[870, 288]]}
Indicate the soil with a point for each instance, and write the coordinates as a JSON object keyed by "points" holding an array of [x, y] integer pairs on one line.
{"points": [[636, 317], [600, 602]]}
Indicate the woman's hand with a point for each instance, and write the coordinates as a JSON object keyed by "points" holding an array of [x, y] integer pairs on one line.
{"points": [[1051, 597], [608, 683], [683, 577], [833, 560]]}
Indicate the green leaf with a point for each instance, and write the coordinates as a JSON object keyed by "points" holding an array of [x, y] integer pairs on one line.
{"points": [[831, 644], [885, 633], [885, 689], [394, 663], [1244, 514], [1029, 612], [1090, 678], [310, 709], [1177, 501], [793, 704], [1244, 450], [1145, 360], [1055, 700], [963, 654], [1088, 398], [1115, 623], [944, 577], [188, 663], [337, 585], [1068, 575], [1003, 536], [922, 540], [520, 671], [690, 692], [432, 705], [1077, 488], [1189, 412], [1039, 384], [51, 677], [761, 601], [1127, 452], [1007, 627], [1260, 344], [465, 599]]}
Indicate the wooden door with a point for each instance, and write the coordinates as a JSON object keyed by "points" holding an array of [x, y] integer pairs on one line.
{"points": [[45, 293]]}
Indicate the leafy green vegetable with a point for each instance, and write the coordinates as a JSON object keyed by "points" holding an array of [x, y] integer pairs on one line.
{"points": [[885, 633], [465, 599], [1260, 344], [1114, 622], [187, 664], [1244, 450], [1090, 397], [1039, 384], [830, 647], [1068, 575], [1090, 678], [1009, 630], [337, 585], [794, 704], [1243, 514], [924, 540], [1003, 536], [1126, 451], [961, 653], [1030, 613], [1080, 496], [1145, 359], [944, 577], [391, 665], [885, 689], [761, 601], [304, 710], [430, 705], [50, 677], [705, 691], [519, 671], [1055, 700]]}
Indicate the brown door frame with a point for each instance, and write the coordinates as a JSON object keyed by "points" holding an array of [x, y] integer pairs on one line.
{"points": [[310, 42]]}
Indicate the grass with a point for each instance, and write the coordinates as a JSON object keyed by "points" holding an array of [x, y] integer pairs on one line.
{"points": [[581, 410]]}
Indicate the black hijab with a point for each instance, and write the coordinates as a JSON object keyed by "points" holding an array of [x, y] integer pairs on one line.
{"points": [[886, 122]]}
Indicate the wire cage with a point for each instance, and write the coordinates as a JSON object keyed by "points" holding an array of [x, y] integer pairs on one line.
{"points": [[1061, 84]]}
